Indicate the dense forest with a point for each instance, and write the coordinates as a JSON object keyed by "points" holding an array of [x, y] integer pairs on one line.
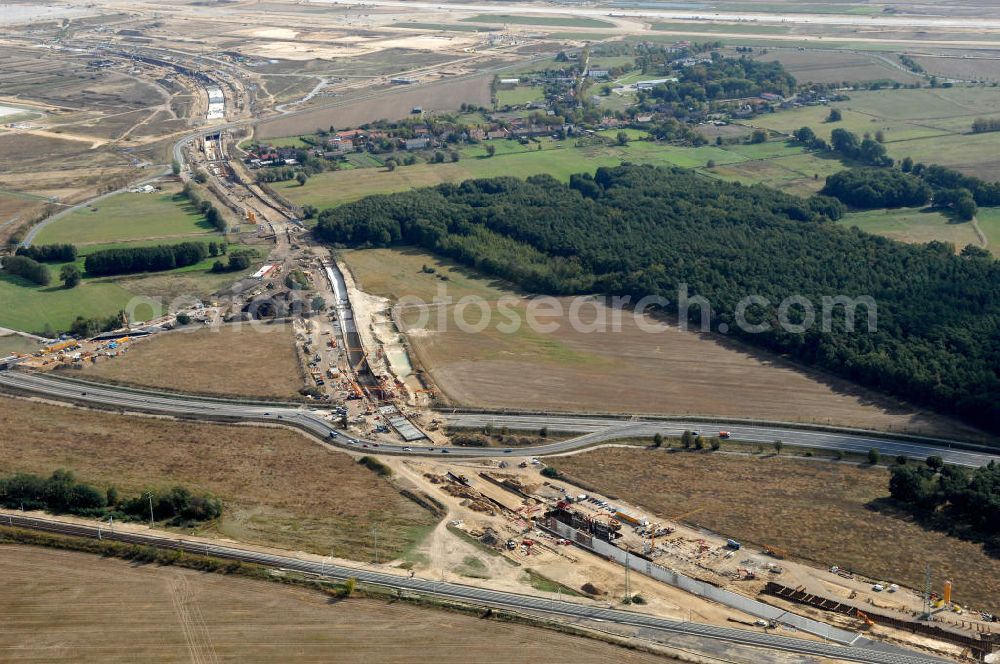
{"points": [[643, 230]]}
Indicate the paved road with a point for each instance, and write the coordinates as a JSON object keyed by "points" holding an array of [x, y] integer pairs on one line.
{"points": [[598, 430], [593, 429], [863, 650]]}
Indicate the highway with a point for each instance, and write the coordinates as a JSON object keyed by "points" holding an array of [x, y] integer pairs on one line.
{"points": [[592, 430], [863, 650]]}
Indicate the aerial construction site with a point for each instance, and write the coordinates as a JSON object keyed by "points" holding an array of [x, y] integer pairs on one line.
{"points": [[316, 296]]}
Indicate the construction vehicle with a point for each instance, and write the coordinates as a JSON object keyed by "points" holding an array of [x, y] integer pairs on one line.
{"points": [[61, 346], [775, 551], [746, 573], [864, 617], [630, 520]]}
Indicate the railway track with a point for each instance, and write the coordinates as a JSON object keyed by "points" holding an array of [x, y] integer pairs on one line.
{"points": [[864, 651]]}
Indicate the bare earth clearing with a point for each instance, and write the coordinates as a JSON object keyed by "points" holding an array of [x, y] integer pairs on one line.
{"points": [[57, 606], [277, 487], [815, 510], [666, 372], [258, 361]]}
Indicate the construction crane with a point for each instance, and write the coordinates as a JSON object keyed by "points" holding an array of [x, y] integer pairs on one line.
{"points": [[689, 513]]}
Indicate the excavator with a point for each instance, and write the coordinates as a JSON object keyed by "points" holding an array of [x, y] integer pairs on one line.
{"points": [[864, 617]]}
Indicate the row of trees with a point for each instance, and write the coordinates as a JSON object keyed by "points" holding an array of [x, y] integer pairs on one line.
{"points": [[61, 493], [49, 253], [206, 207], [982, 125], [641, 230], [130, 260]]}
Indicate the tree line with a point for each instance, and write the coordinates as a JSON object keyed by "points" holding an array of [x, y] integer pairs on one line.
{"points": [[130, 260], [643, 230], [206, 207], [49, 253], [982, 125], [61, 493]]}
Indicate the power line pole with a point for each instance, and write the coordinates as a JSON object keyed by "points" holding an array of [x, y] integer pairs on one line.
{"points": [[150, 496], [628, 593], [375, 537], [927, 592]]}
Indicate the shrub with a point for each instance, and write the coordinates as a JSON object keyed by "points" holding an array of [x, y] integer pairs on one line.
{"points": [[27, 268], [376, 466]]}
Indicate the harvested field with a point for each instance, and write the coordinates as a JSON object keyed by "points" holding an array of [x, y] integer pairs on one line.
{"points": [[257, 361], [630, 371], [969, 68], [816, 510], [394, 105], [277, 487], [173, 614], [816, 66]]}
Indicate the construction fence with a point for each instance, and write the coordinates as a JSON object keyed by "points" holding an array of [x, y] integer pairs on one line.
{"points": [[695, 587]]}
